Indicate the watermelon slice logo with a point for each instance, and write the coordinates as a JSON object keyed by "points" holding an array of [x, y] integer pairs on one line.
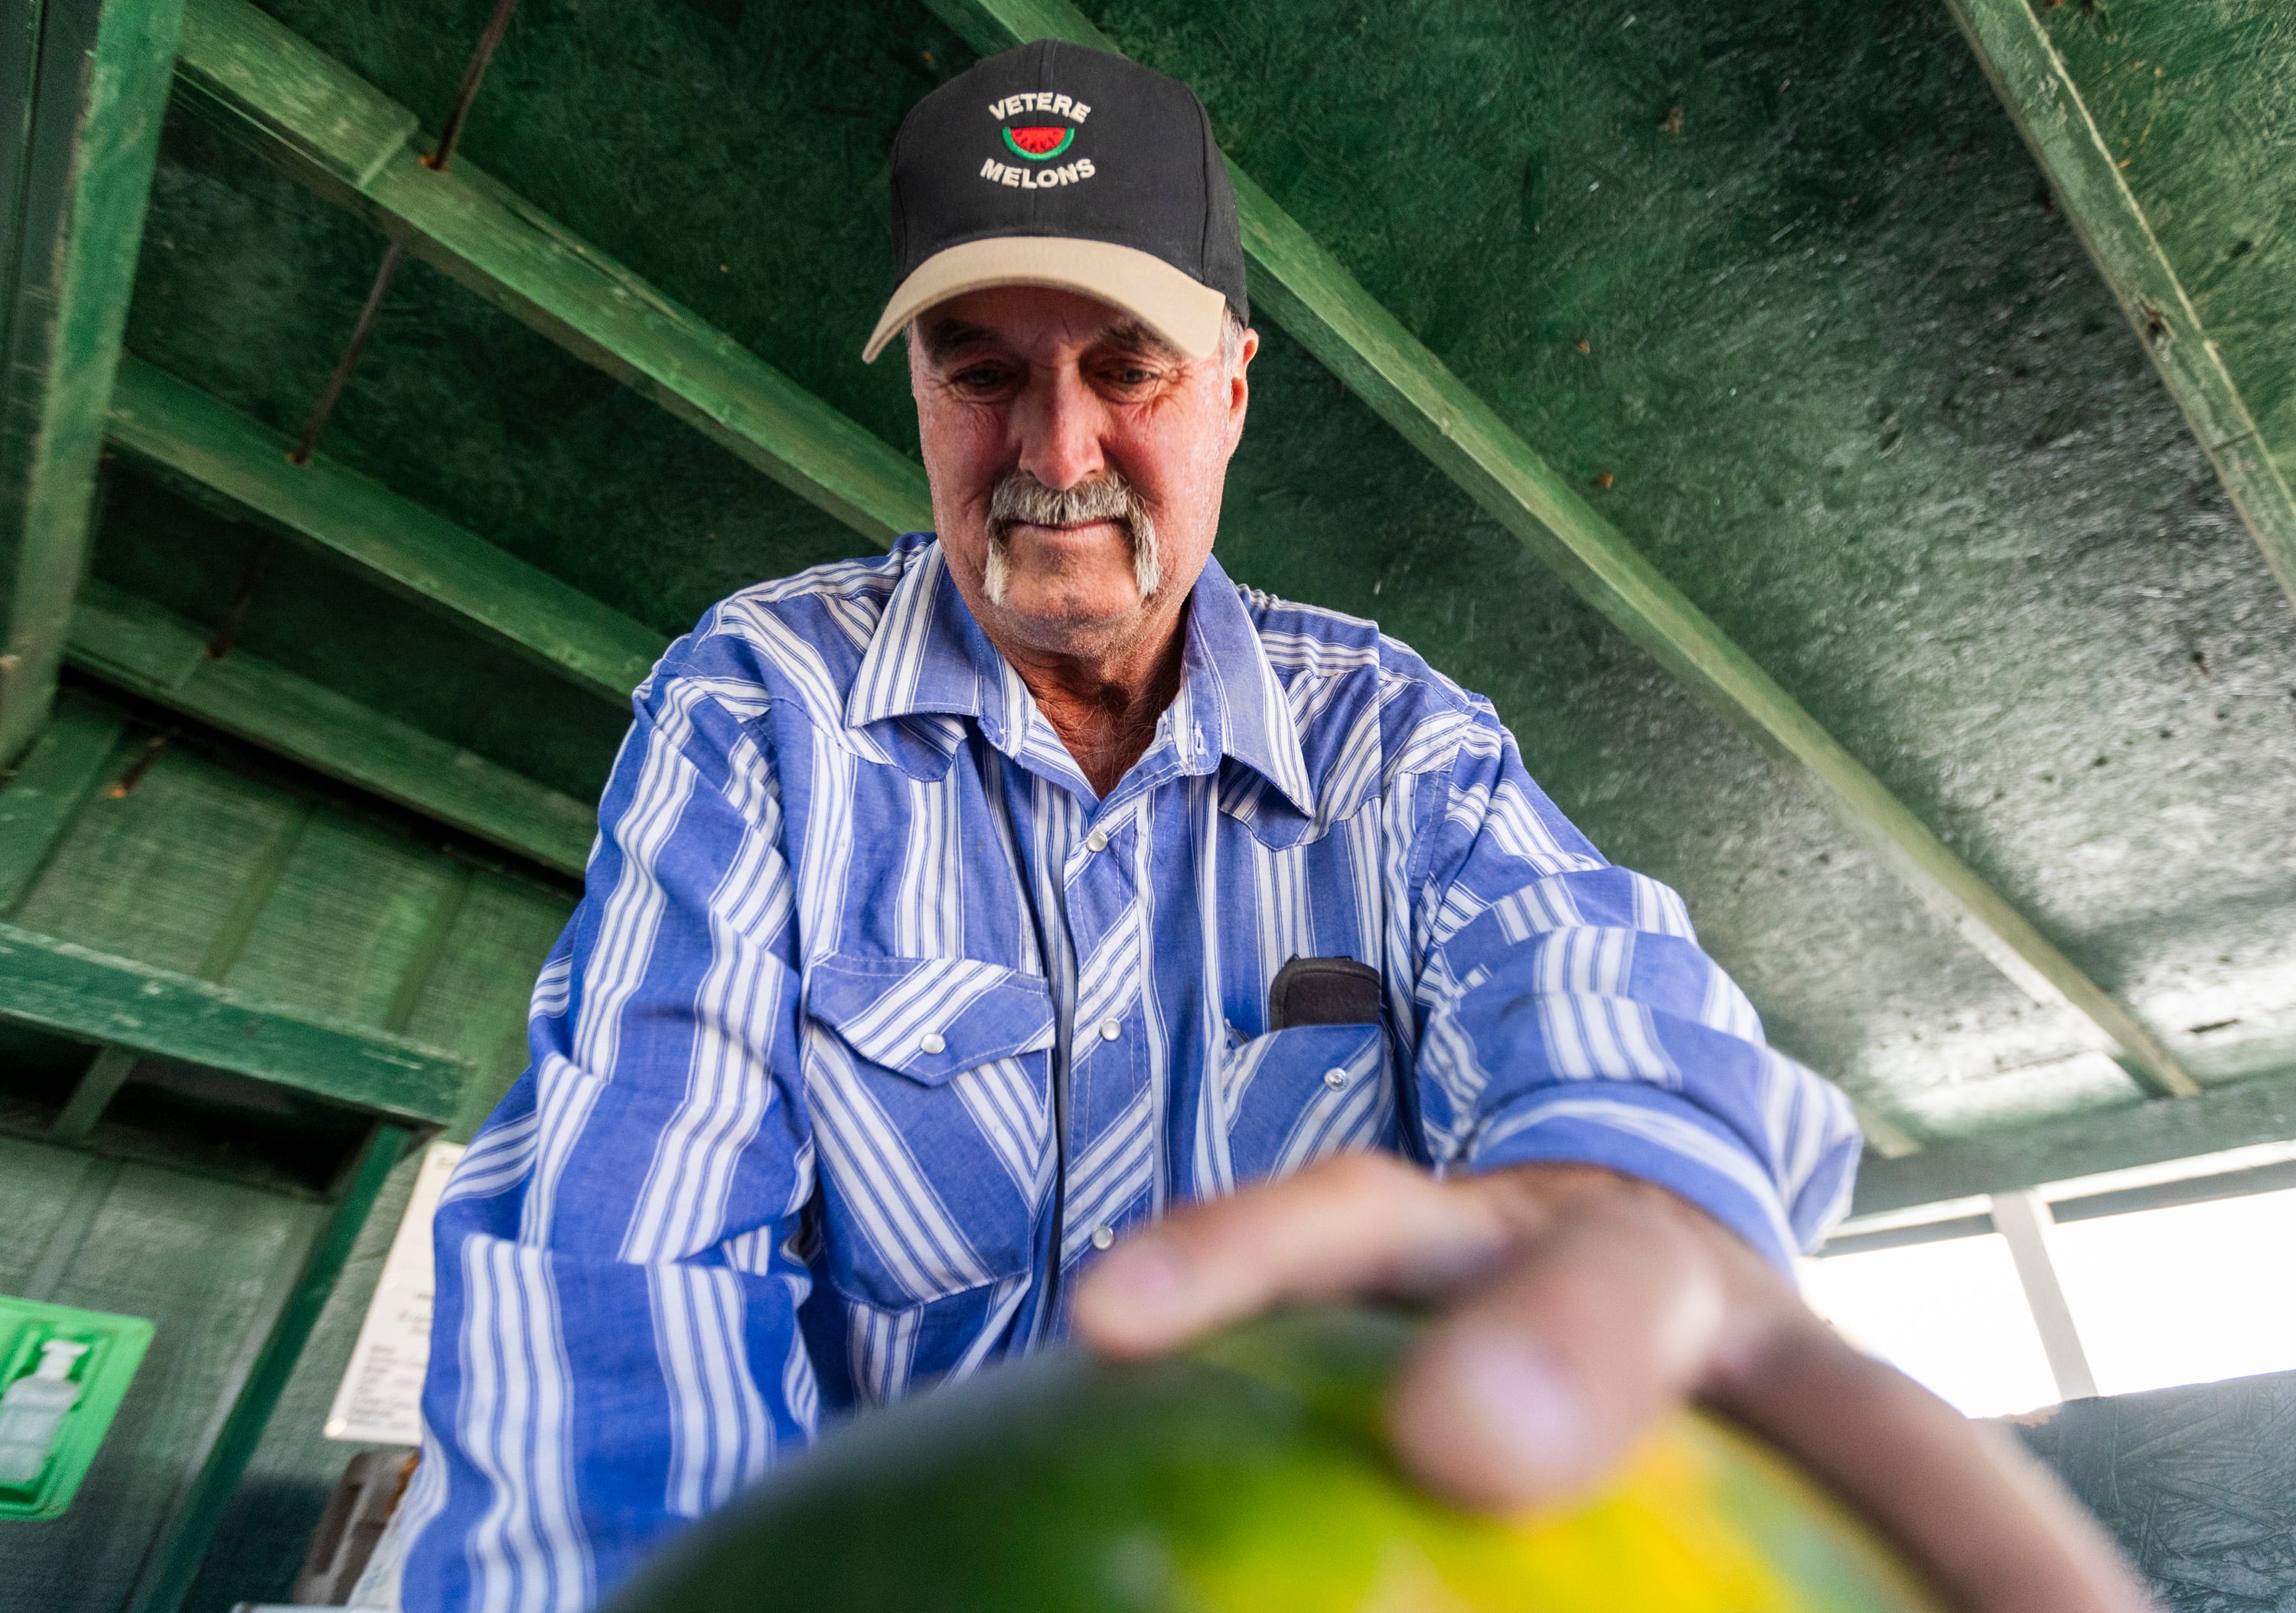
{"points": [[1038, 145]]}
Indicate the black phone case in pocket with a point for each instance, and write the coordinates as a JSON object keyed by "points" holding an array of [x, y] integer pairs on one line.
{"points": [[1323, 991]]}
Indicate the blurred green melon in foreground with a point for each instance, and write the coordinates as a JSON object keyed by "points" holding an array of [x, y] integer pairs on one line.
{"points": [[1246, 1475]]}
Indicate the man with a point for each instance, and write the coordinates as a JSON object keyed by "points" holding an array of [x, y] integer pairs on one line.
{"points": [[968, 929]]}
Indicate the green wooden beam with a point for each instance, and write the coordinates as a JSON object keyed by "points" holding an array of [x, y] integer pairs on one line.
{"points": [[423, 557], [148, 651], [85, 86], [300, 109], [2259, 1110], [75, 992], [98, 1085], [175, 1560], [1329, 313], [1883, 1135], [2048, 110]]}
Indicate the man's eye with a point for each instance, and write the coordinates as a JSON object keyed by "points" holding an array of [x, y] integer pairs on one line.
{"points": [[981, 378]]}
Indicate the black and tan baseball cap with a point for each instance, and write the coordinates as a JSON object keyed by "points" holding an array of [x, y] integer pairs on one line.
{"points": [[1055, 165]]}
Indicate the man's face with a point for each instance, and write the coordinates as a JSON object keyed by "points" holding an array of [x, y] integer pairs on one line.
{"points": [[1077, 464]]}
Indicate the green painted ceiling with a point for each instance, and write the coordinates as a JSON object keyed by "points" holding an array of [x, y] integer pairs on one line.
{"points": [[1859, 391], [2193, 96]]}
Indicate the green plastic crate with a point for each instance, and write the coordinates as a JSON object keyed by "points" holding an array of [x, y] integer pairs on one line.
{"points": [[115, 1349]]}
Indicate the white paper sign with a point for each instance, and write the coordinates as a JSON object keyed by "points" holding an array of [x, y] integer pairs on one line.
{"points": [[380, 1401]]}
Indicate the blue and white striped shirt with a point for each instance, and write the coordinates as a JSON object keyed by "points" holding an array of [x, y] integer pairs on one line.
{"points": [[875, 1024]]}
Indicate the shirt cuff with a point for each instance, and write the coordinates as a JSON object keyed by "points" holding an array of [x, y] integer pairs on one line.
{"points": [[1650, 1133]]}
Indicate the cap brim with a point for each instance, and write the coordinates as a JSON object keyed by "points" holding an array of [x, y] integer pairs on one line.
{"points": [[1175, 305]]}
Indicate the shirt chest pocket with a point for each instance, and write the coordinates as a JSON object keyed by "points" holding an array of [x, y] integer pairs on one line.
{"points": [[1296, 1096], [930, 1082]]}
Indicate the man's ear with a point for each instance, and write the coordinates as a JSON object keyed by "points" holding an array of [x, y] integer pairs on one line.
{"points": [[1239, 385]]}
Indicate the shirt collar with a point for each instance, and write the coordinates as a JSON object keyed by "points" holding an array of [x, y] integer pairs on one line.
{"points": [[930, 656]]}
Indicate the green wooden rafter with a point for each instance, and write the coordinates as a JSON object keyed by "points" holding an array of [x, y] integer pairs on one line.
{"points": [[1328, 312], [394, 540], [2241, 1115], [91, 996], [300, 109], [145, 649], [338, 134], [83, 89], [2047, 108]]}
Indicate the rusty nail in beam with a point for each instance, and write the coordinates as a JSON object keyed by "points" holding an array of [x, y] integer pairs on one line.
{"points": [[496, 26], [308, 442], [481, 55], [136, 768], [249, 580]]}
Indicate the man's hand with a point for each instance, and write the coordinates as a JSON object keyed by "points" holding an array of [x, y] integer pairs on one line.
{"points": [[1573, 1307]]}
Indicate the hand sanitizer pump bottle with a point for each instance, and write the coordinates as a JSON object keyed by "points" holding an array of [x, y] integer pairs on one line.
{"points": [[33, 1410]]}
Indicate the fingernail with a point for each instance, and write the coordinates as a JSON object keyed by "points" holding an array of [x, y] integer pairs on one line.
{"points": [[1518, 1404]]}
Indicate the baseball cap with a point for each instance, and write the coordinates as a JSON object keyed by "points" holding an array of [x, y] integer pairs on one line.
{"points": [[1056, 165]]}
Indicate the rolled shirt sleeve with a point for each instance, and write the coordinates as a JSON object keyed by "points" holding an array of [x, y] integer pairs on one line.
{"points": [[1565, 1013]]}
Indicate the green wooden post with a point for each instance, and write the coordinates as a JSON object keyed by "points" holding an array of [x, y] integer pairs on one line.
{"points": [[175, 1560], [87, 85]]}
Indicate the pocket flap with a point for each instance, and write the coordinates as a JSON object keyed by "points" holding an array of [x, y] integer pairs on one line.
{"points": [[929, 1017]]}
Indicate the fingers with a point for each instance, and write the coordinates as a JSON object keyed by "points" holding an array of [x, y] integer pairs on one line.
{"points": [[1580, 1308], [1995, 1530], [1363, 1224], [1532, 1388]]}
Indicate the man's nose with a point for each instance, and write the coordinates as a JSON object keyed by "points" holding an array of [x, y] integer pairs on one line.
{"points": [[1059, 421]]}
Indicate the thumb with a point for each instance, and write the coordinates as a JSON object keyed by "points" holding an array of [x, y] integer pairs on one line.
{"points": [[1534, 1385]]}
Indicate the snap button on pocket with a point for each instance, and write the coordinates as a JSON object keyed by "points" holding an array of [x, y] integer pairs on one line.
{"points": [[929, 1019], [1295, 1095]]}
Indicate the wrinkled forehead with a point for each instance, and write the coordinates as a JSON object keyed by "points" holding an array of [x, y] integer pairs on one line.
{"points": [[1032, 320]]}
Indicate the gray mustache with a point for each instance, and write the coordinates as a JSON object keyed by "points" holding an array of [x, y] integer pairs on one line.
{"points": [[1020, 499]]}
